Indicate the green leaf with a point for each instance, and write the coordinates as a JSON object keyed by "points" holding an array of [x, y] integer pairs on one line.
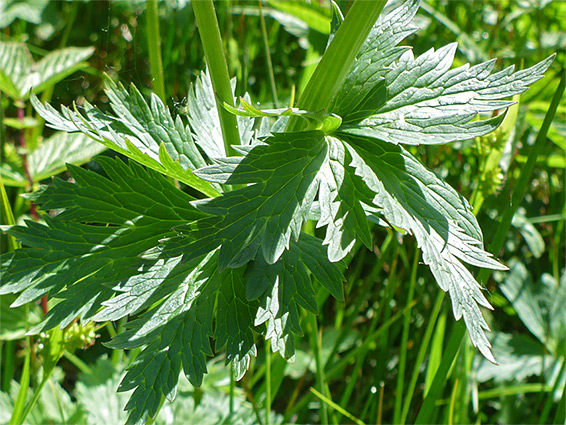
{"points": [[427, 103], [520, 356], [286, 285], [266, 213], [51, 156], [539, 306], [314, 15], [72, 254], [19, 73], [320, 120], [411, 197], [339, 199], [145, 133], [374, 60], [235, 320], [204, 120], [27, 10], [175, 335]]}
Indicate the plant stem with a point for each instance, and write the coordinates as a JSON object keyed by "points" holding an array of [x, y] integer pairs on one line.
{"points": [[438, 384], [154, 47], [316, 345], [216, 62], [267, 382], [336, 61], [17, 413], [268, 55], [404, 341]]}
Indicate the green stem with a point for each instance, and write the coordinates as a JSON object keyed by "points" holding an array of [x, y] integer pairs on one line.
{"points": [[17, 413], [214, 52], [268, 55], [316, 346], [404, 342], [421, 355], [232, 386], [438, 384], [267, 382], [332, 68], [154, 47]]}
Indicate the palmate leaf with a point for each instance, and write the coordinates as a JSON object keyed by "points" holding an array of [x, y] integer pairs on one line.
{"points": [[284, 286], [264, 214], [413, 198], [271, 210], [423, 101], [105, 225], [144, 132], [195, 270]]}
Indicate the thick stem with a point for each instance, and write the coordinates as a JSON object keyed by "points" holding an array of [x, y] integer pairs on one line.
{"points": [[154, 47], [214, 52], [332, 68]]}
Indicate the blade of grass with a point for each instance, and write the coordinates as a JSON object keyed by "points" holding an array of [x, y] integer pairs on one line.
{"points": [[421, 355], [450, 355], [316, 345], [154, 49], [267, 381], [550, 398], [268, 56], [560, 417], [19, 405], [8, 216], [214, 52], [404, 342], [338, 408]]}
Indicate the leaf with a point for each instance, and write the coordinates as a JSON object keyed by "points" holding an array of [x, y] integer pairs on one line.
{"points": [[145, 133], [532, 237], [539, 306], [235, 320], [411, 197], [204, 120], [263, 215], [286, 285], [320, 120], [19, 73], [314, 15], [175, 335], [51, 156], [27, 10], [374, 60], [72, 255], [339, 198], [427, 103], [520, 357]]}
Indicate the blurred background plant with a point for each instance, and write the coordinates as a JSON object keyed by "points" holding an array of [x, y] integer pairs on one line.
{"points": [[387, 347]]}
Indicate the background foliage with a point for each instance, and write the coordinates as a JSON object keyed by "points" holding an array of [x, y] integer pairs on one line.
{"points": [[378, 351]]}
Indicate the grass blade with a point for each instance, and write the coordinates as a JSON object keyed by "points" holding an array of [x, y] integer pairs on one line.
{"points": [[450, 354], [337, 407]]}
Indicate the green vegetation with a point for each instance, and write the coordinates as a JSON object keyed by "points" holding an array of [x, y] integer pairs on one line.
{"points": [[180, 245]]}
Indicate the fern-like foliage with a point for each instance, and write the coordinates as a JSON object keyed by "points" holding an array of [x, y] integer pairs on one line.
{"points": [[237, 263]]}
